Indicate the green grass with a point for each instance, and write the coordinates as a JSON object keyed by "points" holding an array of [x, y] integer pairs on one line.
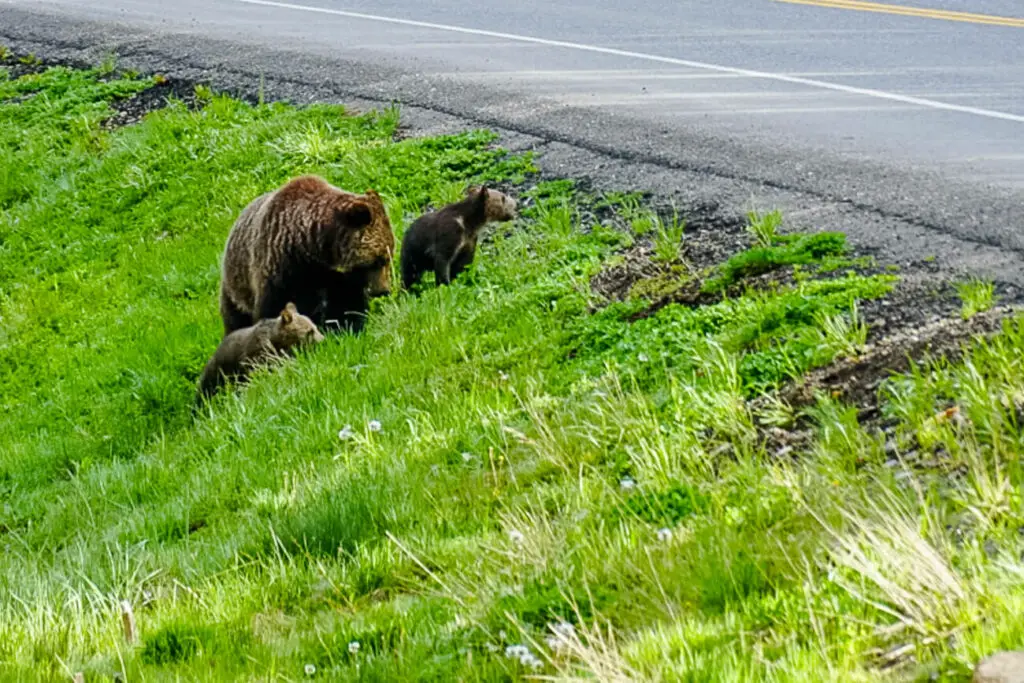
{"points": [[977, 296], [486, 463], [764, 228]]}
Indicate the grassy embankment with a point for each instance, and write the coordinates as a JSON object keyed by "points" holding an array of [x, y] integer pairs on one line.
{"points": [[542, 456]]}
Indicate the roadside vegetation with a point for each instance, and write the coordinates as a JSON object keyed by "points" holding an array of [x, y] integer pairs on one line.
{"points": [[521, 474]]}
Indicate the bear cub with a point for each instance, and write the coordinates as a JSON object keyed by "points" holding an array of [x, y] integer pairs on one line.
{"points": [[326, 250], [444, 241], [243, 350]]}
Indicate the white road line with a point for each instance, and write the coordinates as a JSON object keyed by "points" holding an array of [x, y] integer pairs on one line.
{"points": [[582, 47]]}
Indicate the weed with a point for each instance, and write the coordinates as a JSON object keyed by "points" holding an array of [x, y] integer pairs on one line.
{"points": [[668, 238], [203, 93], [799, 250], [764, 228], [108, 65], [977, 296], [846, 334]]}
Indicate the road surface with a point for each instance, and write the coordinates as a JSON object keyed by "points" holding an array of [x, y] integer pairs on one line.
{"points": [[903, 122]]}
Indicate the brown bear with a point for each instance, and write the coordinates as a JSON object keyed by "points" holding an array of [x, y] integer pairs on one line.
{"points": [[445, 240], [244, 349], [327, 250]]}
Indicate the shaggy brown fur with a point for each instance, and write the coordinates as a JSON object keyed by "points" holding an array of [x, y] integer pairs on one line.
{"points": [[445, 241], [327, 250], [245, 349]]}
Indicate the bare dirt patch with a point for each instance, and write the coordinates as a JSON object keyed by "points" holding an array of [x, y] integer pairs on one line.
{"points": [[18, 65], [856, 380], [131, 109]]}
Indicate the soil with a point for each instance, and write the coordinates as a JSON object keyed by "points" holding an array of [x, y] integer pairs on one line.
{"points": [[131, 110], [18, 65], [856, 380]]}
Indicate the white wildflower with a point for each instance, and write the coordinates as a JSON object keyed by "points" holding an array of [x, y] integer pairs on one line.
{"points": [[627, 484], [353, 647], [530, 661], [310, 669], [564, 628], [373, 425], [642, 358], [516, 536], [664, 535], [517, 651], [502, 376], [467, 456], [346, 433]]}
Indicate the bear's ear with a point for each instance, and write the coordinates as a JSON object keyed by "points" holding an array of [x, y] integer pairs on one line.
{"points": [[289, 313], [356, 215], [481, 196]]}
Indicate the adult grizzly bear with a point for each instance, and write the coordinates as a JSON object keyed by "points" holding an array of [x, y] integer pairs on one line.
{"points": [[311, 243]]}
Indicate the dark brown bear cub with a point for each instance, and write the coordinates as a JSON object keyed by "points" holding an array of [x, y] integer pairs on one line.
{"points": [[327, 250], [245, 349], [444, 241]]}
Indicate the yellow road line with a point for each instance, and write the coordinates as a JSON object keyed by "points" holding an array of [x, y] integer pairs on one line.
{"points": [[903, 10]]}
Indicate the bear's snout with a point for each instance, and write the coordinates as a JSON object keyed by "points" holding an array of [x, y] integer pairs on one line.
{"points": [[379, 283]]}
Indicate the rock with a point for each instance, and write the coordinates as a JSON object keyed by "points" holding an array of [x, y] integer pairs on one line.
{"points": [[1002, 667]]}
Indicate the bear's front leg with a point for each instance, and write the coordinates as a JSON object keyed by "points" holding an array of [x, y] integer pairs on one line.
{"points": [[442, 271], [234, 318], [279, 292], [461, 260]]}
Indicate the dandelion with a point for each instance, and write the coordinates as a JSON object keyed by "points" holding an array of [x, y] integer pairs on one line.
{"points": [[353, 647], [310, 669], [627, 484], [664, 535], [373, 425], [516, 536], [346, 433]]}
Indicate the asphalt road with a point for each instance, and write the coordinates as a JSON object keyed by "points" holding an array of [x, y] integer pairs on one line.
{"points": [[901, 123]]}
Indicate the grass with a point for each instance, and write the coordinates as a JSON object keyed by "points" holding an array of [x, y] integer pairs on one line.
{"points": [[764, 228], [977, 296], [489, 462]]}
